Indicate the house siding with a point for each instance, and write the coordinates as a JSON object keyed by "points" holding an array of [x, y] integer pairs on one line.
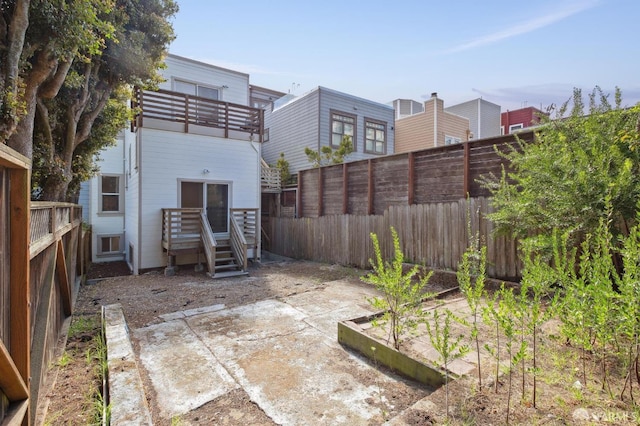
{"points": [[484, 117], [132, 170], [237, 84], [111, 163], [292, 128], [305, 122], [362, 109], [233, 162], [424, 130]]}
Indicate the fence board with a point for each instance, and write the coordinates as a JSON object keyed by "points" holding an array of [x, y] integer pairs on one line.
{"points": [[432, 234]]}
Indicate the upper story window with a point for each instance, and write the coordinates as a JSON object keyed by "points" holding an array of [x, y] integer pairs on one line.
{"points": [[516, 127], [376, 137], [450, 140], [196, 90], [111, 194], [342, 125]]}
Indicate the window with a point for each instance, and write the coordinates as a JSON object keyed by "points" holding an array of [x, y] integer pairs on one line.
{"points": [[342, 125], [450, 140], [196, 89], [501, 130], [516, 127], [109, 244], [213, 197], [111, 194], [376, 136]]}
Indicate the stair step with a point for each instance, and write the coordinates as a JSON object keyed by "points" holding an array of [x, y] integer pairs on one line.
{"points": [[229, 266], [229, 274]]}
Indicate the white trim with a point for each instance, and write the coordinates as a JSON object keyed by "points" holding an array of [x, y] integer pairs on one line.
{"points": [[118, 252], [516, 127]]}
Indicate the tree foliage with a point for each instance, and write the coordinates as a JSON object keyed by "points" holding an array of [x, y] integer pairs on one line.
{"points": [[66, 62], [402, 294], [562, 179], [327, 155]]}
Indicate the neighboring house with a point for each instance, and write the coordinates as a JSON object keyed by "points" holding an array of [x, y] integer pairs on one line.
{"points": [[484, 117], [195, 147], [430, 128], [406, 107], [518, 119], [322, 117]]}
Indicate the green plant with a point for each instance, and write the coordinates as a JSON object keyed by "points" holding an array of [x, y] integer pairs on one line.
{"points": [[83, 324], [490, 317], [448, 347], [507, 321], [327, 155], [401, 303], [283, 165], [473, 265], [64, 360]]}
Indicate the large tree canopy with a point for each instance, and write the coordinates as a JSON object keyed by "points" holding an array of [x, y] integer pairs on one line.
{"points": [[583, 166], [63, 98]]}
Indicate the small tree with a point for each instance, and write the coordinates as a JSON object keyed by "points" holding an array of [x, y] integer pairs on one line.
{"points": [[449, 348], [283, 165], [401, 303], [327, 155], [473, 292]]}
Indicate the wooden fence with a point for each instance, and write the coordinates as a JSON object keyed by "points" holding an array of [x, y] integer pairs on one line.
{"points": [[435, 175], [40, 247], [432, 234]]}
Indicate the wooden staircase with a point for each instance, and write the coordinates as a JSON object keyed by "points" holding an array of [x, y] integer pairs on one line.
{"points": [[225, 263], [187, 231]]}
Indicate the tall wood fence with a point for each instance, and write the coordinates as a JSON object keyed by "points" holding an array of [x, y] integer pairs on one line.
{"points": [[434, 234], [434, 175], [41, 260]]}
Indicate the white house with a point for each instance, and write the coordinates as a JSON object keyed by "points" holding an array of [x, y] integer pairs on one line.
{"points": [[183, 185], [484, 117]]}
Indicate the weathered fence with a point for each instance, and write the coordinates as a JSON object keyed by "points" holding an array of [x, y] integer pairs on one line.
{"points": [[434, 175], [56, 256], [39, 252], [434, 234]]}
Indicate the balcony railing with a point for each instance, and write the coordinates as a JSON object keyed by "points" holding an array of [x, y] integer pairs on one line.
{"points": [[190, 112]]}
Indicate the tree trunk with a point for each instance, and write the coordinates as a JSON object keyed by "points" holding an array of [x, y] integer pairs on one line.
{"points": [[12, 35], [22, 139]]}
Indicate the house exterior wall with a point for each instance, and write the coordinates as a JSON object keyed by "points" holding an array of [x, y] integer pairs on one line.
{"points": [[132, 200], [233, 85], [227, 161], [293, 127], [528, 117], [406, 107], [106, 223], [484, 117], [306, 122], [429, 129]]}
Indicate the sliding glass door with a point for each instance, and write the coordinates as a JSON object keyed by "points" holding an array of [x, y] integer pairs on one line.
{"points": [[213, 197]]}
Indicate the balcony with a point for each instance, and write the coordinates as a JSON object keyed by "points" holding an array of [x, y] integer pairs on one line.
{"points": [[174, 111]]}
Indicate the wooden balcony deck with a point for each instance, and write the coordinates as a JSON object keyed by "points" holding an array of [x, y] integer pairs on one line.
{"points": [[168, 110]]}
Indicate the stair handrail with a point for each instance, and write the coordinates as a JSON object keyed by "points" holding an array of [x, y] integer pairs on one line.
{"points": [[238, 243], [209, 243]]}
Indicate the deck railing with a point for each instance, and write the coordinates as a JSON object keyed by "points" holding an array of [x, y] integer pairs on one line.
{"points": [[209, 243], [190, 110], [245, 222], [270, 178]]}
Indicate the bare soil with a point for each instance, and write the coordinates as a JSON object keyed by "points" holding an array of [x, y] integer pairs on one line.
{"points": [[147, 296]]}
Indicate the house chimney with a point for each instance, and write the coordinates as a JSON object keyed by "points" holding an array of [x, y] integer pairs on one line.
{"points": [[434, 94]]}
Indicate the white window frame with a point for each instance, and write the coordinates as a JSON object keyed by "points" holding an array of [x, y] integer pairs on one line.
{"points": [[451, 140], [516, 127], [176, 81], [120, 248], [120, 195]]}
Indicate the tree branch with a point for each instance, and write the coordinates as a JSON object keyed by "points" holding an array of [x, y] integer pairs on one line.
{"points": [[50, 88]]}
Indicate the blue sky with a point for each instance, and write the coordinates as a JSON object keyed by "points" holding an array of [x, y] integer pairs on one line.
{"points": [[511, 53]]}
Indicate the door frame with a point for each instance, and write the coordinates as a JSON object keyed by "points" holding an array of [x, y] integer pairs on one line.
{"points": [[204, 183]]}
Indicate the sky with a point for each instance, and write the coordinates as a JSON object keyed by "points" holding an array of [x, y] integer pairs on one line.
{"points": [[512, 53]]}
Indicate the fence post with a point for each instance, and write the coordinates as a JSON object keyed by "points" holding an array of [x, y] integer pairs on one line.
{"points": [[370, 187], [466, 170], [345, 189], [411, 180]]}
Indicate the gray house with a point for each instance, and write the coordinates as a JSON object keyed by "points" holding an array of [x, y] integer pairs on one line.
{"points": [[484, 117], [322, 117]]}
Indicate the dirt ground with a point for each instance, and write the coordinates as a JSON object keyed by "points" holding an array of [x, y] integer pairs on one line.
{"points": [[144, 298], [147, 296]]}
